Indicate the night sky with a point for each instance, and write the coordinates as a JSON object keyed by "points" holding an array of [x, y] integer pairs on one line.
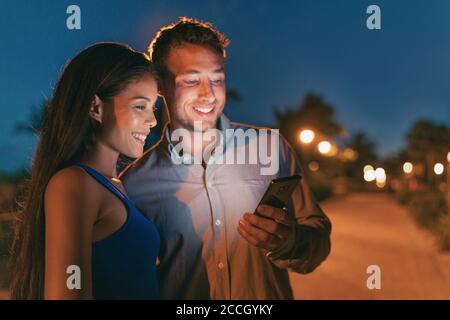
{"points": [[379, 81]]}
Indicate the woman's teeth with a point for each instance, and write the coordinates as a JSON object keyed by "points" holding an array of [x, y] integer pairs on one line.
{"points": [[203, 110], [139, 136]]}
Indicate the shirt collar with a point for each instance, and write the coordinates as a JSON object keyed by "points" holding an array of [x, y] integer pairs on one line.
{"points": [[222, 125]]}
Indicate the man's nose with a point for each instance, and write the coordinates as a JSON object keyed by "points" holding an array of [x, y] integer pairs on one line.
{"points": [[206, 92]]}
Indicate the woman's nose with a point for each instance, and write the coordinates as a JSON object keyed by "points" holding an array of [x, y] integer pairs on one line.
{"points": [[151, 120], [153, 123]]}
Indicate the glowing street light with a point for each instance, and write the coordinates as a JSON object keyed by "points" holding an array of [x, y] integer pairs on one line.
{"points": [[368, 168], [448, 157], [438, 168], [324, 147], [307, 136], [380, 175], [407, 167], [369, 175]]}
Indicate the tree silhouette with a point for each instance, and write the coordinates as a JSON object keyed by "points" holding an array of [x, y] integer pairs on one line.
{"points": [[314, 113], [428, 143], [365, 149]]}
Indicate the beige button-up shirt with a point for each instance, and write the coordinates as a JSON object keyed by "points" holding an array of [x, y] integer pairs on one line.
{"points": [[197, 211]]}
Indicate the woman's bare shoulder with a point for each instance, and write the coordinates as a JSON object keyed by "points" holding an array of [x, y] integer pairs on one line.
{"points": [[70, 179], [72, 190]]}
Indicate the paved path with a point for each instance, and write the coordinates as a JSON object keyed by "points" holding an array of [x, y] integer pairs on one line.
{"points": [[372, 229]]}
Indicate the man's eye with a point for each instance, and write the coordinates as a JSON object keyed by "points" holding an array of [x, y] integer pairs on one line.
{"points": [[217, 82], [191, 82]]}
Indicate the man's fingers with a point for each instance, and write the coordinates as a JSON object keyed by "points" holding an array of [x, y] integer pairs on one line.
{"points": [[264, 239], [268, 225], [276, 214], [248, 237]]}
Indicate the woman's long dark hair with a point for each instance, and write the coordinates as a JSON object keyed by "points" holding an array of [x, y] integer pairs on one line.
{"points": [[68, 134]]}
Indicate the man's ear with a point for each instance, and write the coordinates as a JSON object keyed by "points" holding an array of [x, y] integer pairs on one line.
{"points": [[96, 110]]}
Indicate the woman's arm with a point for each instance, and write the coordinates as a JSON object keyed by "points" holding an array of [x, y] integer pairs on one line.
{"points": [[70, 213]]}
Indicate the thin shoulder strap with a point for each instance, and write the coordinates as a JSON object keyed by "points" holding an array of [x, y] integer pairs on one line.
{"points": [[103, 180]]}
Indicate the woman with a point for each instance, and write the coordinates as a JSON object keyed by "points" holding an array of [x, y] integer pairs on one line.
{"points": [[79, 236]]}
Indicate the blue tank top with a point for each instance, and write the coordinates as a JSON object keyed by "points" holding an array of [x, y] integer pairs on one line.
{"points": [[124, 264]]}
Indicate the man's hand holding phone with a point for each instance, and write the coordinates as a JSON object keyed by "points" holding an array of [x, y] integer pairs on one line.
{"points": [[270, 226], [269, 229]]}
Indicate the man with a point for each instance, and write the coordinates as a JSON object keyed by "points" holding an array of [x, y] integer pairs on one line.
{"points": [[212, 245]]}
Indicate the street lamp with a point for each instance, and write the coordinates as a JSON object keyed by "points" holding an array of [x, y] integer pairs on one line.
{"points": [[324, 147], [307, 136], [369, 173], [380, 177], [438, 169], [369, 176], [408, 167]]}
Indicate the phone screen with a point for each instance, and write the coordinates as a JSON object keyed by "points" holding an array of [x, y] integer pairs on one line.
{"points": [[279, 191]]}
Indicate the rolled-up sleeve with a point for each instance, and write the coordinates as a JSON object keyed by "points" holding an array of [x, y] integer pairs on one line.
{"points": [[310, 244]]}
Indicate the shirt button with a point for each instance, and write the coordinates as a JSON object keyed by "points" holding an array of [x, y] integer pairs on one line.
{"points": [[220, 265], [218, 222], [188, 160]]}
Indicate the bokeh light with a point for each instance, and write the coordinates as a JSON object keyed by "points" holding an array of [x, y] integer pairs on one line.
{"points": [[324, 147], [408, 167], [438, 169], [313, 166], [307, 136]]}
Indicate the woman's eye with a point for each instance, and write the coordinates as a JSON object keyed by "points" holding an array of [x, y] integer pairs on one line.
{"points": [[140, 107]]}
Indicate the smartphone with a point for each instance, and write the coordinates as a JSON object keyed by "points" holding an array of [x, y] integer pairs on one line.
{"points": [[279, 191]]}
